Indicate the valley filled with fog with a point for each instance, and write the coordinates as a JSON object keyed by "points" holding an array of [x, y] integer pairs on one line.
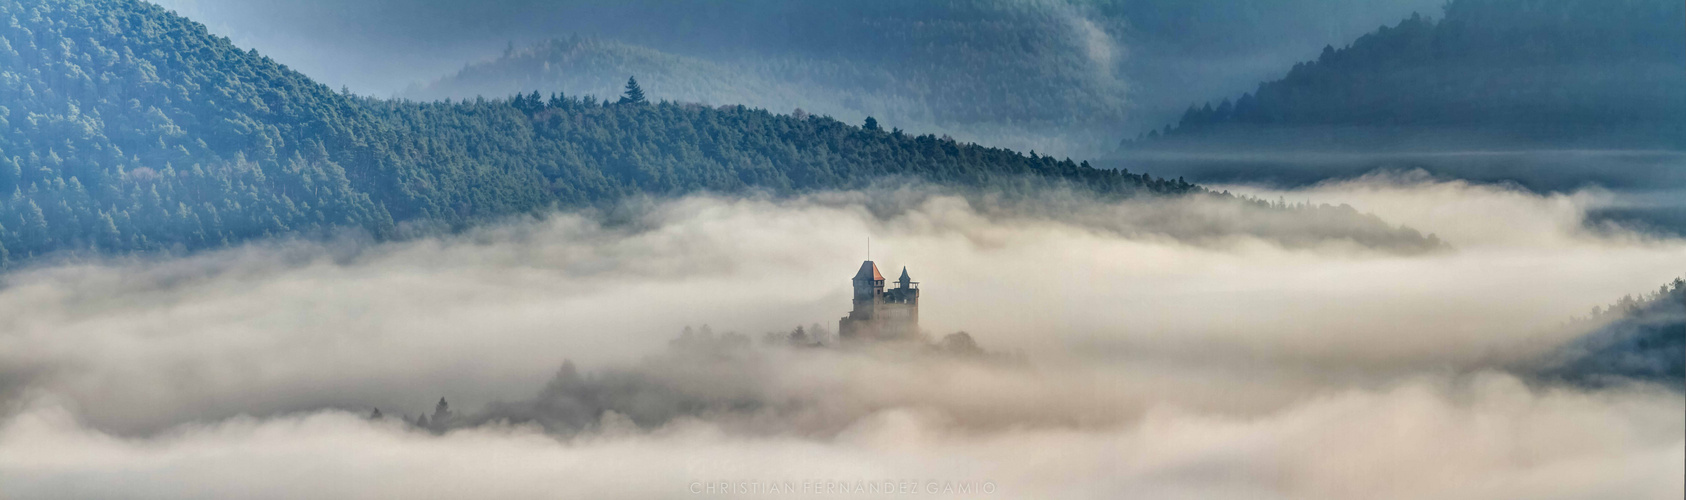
{"points": [[1157, 361]]}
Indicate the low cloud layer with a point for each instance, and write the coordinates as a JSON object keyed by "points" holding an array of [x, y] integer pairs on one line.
{"points": [[1246, 359], [1487, 438]]}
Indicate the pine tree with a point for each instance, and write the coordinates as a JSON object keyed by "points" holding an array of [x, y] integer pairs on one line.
{"points": [[441, 413], [634, 93]]}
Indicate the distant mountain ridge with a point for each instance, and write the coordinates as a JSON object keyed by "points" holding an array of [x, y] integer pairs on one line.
{"points": [[1047, 96], [1560, 74], [1060, 76], [590, 66]]}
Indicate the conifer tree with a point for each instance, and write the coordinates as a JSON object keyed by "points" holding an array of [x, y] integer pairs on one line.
{"points": [[634, 93], [441, 413]]}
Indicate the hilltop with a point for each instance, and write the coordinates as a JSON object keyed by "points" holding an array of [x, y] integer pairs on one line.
{"points": [[1634, 339], [1491, 74]]}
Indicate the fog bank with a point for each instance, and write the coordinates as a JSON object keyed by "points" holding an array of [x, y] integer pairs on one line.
{"points": [[1175, 348]]}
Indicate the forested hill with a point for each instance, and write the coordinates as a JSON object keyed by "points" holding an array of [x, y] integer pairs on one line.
{"points": [[1553, 73], [124, 127], [1637, 339]]}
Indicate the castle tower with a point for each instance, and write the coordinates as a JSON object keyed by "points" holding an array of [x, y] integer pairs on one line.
{"points": [[881, 314], [869, 284]]}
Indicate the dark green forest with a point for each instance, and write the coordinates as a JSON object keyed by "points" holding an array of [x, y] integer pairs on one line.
{"points": [[1563, 73], [126, 128]]}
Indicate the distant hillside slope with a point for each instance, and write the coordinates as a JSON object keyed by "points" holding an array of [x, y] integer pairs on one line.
{"points": [[1641, 339], [989, 72], [1061, 76], [581, 66], [1035, 110], [126, 128], [1562, 74]]}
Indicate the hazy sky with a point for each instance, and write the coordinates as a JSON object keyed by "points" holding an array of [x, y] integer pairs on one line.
{"points": [[1163, 363]]}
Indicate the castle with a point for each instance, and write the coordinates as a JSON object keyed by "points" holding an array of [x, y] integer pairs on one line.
{"points": [[881, 314]]}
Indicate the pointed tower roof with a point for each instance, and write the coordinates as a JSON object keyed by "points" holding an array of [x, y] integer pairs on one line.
{"points": [[869, 271], [904, 277]]}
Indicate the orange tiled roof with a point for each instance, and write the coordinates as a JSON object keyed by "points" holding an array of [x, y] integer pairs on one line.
{"points": [[869, 271]]}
